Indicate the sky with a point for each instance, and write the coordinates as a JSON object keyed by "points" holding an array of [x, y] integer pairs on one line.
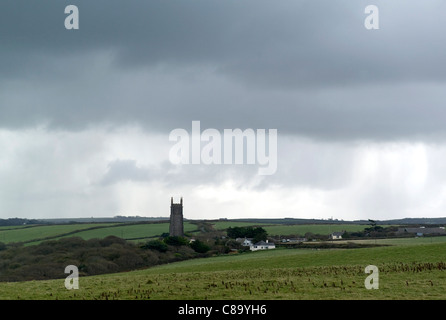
{"points": [[86, 114]]}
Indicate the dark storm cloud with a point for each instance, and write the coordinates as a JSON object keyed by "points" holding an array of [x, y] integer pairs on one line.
{"points": [[281, 43], [304, 67]]}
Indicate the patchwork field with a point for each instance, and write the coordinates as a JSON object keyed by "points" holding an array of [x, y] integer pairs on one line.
{"points": [[283, 229], [34, 234]]}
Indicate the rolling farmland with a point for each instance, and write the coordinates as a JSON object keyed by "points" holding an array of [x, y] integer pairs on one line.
{"points": [[35, 234], [410, 268]]}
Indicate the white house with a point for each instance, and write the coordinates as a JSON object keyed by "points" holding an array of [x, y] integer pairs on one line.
{"points": [[262, 245], [336, 235], [246, 242]]}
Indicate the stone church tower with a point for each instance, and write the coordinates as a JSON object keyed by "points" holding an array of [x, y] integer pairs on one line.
{"points": [[176, 218]]}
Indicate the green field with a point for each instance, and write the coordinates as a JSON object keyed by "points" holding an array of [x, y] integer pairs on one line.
{"points": [[136, 231], [301, 229], [398, 241], [293, 229], [35, 234], [221, 225], [405, 272]]}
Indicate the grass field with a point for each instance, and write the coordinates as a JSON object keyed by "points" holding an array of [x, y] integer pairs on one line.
{"points": [[293, 229], [398, 241], [35, 234], [301, 229], [405, 272], [221, 225], [136, 231]]}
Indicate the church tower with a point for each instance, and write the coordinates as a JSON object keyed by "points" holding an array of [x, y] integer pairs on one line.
{"points": [[176, 218]]}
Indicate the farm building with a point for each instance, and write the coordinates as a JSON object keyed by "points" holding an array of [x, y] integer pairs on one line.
{"points": [[422, 231], [336, 235], [262, 245], [246, 242], [294, 240]]}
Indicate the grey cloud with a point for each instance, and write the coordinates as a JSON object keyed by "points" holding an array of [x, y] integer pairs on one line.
{"points": [[125, 170], [128, 170], [162, 102], [282, 43], [304, 67]]}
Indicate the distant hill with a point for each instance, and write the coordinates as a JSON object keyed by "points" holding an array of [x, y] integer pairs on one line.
{"points": [[104, 219], [414, 221], [121, 219], [19, 222], [404, 221]]}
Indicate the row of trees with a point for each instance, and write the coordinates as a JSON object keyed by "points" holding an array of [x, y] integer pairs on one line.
{"points": [[256, 233], [163, 245]]}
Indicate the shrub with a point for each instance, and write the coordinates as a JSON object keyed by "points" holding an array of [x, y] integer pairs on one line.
{"points": [[129, 260], [108, 241], [43, 249], [175, 241], [98, 265], [150, 257], [199, 246], [155, 245]]}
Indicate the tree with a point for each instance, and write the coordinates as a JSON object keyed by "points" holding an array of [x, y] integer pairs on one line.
{"points": [[346, 235], [373, 227], [155, 245], [259, 234], [232, 244], [199, 246], [247, 232], [175, 241], [235, 232]]}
